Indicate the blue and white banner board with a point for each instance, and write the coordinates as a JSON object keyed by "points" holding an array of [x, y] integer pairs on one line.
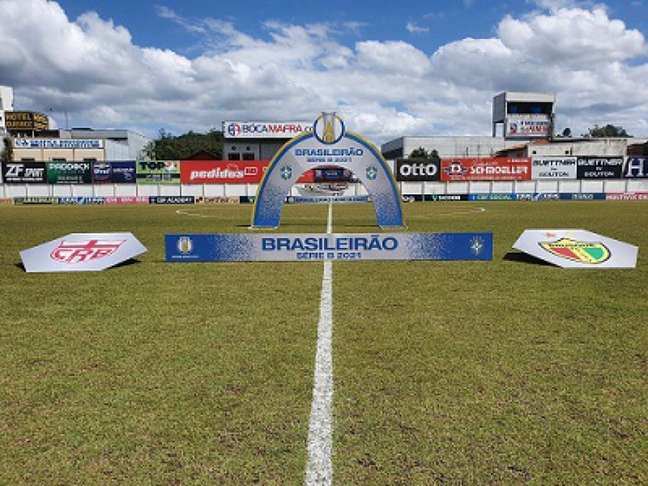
{"points": [[577, 248], [329, 144], [82, 252], [240, 247]]}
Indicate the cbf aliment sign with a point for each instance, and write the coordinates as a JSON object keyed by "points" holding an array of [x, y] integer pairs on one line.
{"points": [[327, 144]]}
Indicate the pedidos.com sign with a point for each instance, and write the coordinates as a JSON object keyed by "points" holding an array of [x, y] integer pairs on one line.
{"points": [[69, 172], [158, 172]]}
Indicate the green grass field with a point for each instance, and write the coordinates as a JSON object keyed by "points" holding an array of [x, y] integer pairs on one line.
{"points": [[445, 372]]}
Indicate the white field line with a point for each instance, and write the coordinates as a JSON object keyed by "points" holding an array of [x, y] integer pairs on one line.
{"points": [[319, 468]]}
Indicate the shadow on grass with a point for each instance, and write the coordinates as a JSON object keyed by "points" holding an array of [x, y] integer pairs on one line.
{"points": [[130, 261], [513, 256]]}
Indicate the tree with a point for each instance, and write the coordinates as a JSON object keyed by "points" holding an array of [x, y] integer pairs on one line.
{"points": [[171, 147], [607, 131], [421, 153], [7, 153]]}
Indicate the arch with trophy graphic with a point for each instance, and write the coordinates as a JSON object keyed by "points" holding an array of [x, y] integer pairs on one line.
{"points": [[328, 144]]}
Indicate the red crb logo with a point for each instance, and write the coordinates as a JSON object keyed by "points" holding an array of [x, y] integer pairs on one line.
{"points": [[84, 251]]}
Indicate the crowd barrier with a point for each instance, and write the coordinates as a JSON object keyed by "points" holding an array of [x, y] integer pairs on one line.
{"points": [[191, 200]]}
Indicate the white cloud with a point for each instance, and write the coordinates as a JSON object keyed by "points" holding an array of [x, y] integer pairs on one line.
{"points": [[414, 28], [91, 68]]}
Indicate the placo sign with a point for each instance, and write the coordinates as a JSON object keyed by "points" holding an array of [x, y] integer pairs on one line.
{"points": [[553, 168], [485, 169], [238, 247], [417, 170], [82, 252], [577, 248]]}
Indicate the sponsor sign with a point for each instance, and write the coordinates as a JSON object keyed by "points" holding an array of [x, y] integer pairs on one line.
{"points": [[222, 171], [485, 169], [327, 199], [158, 172], [417, 170], [599, 167], [35, 200], [627, 196], [69, 172], [328, 144], [528, 126], [218, 200], [57, 143], [5, 201], [26, 120], [82, 252], [81, 200], [172, 200], [24, 172], [260, 129], [577, 248], [583, 196], [636, 167], [495, 196], [122, 172], [226, 247], [553, 168], [127, 200]]}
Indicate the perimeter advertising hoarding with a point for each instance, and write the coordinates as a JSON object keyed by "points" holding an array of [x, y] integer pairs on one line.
{"points": [[225, 247], [553, 168], [265, 129], [69, 173], [636, 167], [158, 172], [122, 172], [486, 169], [222, 171], [172, 200], [599, 167], [417, 170], [24, 172]]}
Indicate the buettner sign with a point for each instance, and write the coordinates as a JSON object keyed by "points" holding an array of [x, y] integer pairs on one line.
{"points": [[486, 169]]}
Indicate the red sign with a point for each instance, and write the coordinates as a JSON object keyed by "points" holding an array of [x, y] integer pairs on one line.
{"points": [[81, 251], [227, 172], [126, 200], [626, 196], [486, 169]]}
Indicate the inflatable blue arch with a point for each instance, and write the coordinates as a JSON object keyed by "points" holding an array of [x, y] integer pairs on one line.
{"points": [[329, 144]]}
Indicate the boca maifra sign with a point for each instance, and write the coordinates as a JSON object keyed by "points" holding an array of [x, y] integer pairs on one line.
{"points": [[327, 144]]}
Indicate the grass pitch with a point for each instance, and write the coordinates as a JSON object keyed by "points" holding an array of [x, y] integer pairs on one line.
{"points": [[444, 372]]}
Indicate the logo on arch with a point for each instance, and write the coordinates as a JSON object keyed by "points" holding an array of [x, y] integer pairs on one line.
{"points": [[329, 128]]}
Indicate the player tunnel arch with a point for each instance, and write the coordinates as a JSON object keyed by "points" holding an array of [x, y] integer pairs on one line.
{"points": [[308, 151]]}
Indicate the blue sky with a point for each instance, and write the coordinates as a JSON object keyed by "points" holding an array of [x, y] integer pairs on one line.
{"points": [[391, 68]]}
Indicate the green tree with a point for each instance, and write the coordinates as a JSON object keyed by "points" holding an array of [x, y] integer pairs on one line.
{"points": [[421, 153], [607, 131], [170, 147], [7, 152]]}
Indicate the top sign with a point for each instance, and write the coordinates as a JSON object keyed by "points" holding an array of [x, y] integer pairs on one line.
{"points": [[57, 143], [527, 126], [258, 129]]}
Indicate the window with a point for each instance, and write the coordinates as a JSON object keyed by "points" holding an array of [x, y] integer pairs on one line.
{"points": [[59, 160], [90, 160], [28, 160], [248, 156], [233, 156]]}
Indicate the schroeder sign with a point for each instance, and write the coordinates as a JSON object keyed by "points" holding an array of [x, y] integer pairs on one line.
{"points": [[328, 144], [599, 167], [417, 170], [486, 169], [82, 252], [240, 247], [553, 168]]}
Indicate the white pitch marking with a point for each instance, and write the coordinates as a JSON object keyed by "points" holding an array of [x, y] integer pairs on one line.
{"points": [[319, 468]]}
